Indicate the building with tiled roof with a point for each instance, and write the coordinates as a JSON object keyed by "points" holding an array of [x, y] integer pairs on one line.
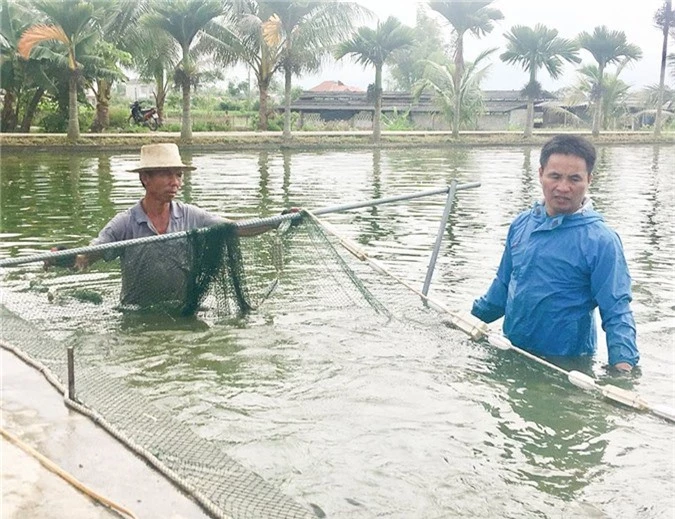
{"points": [[334, 86]]}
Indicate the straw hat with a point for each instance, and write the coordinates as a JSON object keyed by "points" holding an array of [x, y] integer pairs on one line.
{"points": [[160, 156]]}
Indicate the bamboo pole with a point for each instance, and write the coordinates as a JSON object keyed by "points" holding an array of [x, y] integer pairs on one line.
{"points": [[241, 224], [478, 330]]}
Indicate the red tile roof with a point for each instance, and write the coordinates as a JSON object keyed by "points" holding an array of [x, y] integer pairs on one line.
{"points": [[334, 86]]}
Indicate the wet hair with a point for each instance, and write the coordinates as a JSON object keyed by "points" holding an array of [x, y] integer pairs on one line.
{"points": [[569, 145]]}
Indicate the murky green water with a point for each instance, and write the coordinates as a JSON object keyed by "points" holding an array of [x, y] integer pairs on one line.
{"points": [[369, 427]]}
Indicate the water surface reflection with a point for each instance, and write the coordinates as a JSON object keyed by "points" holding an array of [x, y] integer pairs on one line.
{"points": [[349, 416]]}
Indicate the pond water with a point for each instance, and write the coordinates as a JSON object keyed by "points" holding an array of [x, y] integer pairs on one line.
{"points": [[375, 428]]}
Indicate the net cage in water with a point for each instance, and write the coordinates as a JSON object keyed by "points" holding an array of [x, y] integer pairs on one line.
{"points": [[218, 280]]}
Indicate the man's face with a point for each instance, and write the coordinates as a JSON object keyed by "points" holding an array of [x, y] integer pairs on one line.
{"points": [[163, 184], [564, 181]]}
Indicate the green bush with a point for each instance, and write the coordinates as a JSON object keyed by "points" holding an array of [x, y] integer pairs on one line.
{"points": [[119, 117], [170, 127], [337, 126], [275, 122], [54, 121], [86, 117], [397, 121], [229, 105], [211, 126], [173, 101], [136, 128]]}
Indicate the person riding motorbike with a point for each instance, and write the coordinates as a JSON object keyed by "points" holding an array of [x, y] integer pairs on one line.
{"points": [[146, 116]]}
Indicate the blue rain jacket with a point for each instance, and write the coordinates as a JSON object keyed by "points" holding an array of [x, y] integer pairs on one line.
{"points": [[553, 273]]}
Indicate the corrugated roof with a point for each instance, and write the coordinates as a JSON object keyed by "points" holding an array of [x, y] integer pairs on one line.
{"points": [[495, 101]]}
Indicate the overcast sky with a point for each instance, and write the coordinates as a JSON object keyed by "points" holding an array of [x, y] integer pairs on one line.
{"points": [[569, 17]]}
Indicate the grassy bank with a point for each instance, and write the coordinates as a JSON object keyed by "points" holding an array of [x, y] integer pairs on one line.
{"points": [[308, 140]]}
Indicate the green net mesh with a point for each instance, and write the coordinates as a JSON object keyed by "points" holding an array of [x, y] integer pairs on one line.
{"points": [[198, 287]]}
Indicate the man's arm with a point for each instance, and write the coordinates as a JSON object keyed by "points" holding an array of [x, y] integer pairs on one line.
{"points": [[611, 288], [255, 231], [113, 231], [201, 218], [260, 229], [492, 305]]}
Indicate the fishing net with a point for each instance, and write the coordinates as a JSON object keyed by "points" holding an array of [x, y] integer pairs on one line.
{"points": [[207, 279]]}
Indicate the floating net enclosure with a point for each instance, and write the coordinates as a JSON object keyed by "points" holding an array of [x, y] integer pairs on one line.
{"points": [[219, 278]]}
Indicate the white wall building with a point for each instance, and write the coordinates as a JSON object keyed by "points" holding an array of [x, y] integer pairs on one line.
{"points": [[135, 90]]}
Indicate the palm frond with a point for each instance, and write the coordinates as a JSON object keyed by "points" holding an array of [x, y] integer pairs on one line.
{"points": [[37, 34], [272, 31]]}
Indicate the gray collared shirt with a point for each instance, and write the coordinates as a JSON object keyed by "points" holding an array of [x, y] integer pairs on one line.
{"points": [[156, 272]]}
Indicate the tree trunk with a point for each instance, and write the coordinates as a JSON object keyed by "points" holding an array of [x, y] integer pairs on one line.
{"points": [[457, 79], [262, 111], [29, 115], [377, 113], [664, 57], [102, 119], [529, 124], [186, 119], [73, 121], [160, 96], [8, 122], [287, 104], [597, 112]]}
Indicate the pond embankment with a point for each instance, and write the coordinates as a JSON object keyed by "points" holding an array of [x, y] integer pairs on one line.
{"points": [[312, 140]]}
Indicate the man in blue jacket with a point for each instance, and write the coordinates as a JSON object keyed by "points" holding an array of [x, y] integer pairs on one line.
{"points": [[560, 262]]}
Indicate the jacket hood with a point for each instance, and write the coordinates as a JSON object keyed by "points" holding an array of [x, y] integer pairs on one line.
{"points": [[584, 216]]}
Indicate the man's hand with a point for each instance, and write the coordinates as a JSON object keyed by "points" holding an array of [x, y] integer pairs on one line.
{"points": [[623, 367], [63, 261], [291, 210], [81, 262]]}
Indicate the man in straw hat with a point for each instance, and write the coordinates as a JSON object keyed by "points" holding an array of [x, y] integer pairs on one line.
{"points": [[161, 172]]}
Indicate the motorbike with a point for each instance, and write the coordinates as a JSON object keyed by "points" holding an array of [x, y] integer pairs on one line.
{"points": [[145, 116]]}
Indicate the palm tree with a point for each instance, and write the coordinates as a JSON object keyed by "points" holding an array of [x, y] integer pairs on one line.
{"points": [[119, 29], [14, 19], [465, 16], [667, 22], [184, 20], [406, 66], [534, 49], [239, 38], [73, 26], [373, 47], [112, 59], [653, 96], [614, 101], [155, 55], [304, 32], [439, 78], [607, 47]]}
